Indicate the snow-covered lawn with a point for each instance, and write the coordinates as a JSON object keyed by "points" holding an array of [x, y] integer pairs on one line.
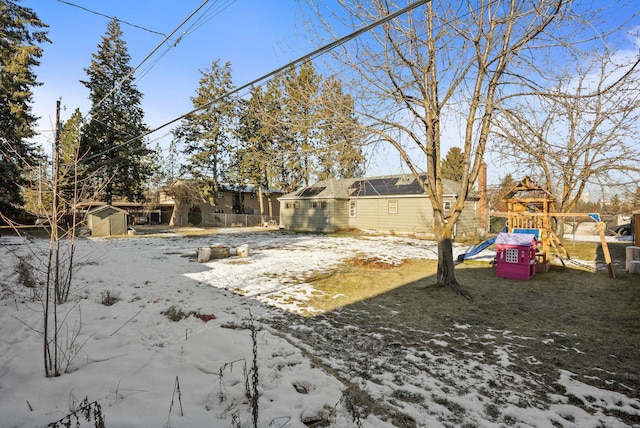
{"points": [[146, 370]]}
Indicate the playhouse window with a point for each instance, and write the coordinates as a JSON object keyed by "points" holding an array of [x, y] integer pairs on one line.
{"points": [[511, 255], [319, 205], [393, 207]]}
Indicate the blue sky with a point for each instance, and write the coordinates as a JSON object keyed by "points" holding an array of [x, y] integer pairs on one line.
{"points": [[256, 36]]}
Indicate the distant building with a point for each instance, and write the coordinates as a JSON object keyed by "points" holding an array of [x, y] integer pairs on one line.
{"points": [[391, 204]]}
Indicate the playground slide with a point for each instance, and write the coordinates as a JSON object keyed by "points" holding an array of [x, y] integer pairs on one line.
{"points": [[475, 250]]}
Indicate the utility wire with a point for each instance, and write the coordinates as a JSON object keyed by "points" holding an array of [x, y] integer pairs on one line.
{"points": [[110, 17], [188, 31], [125, 78], [300, 60]]}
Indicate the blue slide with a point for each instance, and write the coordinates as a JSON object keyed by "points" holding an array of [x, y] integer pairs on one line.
{"points": [[475, 250]]}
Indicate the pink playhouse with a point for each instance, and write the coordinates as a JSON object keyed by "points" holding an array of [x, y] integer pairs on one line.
{"points": [[516, 255]]}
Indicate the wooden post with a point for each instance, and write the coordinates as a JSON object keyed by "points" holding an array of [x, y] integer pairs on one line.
{"points": [[605, 249]]}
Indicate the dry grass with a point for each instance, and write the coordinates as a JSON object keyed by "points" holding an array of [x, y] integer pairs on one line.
{"points": [[585, 322]]}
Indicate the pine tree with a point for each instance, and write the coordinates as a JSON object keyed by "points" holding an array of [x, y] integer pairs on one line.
{"points": [[302, 96], [112, 148], [276, 126], [251, 159], [453, 164], [69, 172], [340, 135], [206, 133], [21, 34]]}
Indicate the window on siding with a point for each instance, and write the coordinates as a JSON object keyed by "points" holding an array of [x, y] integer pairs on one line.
{"points": [[352, 208], [393, 207], [447, 206], [319, 205], [219, 195], [290, 205]]}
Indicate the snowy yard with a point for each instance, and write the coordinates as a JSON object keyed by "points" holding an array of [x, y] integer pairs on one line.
{"points": [[349, 367]]}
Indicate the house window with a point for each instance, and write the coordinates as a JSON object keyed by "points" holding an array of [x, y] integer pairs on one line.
{"points": [[393, 207], [317, 205], [219, 195], [290, 205], [447, 207], [352, 208]]}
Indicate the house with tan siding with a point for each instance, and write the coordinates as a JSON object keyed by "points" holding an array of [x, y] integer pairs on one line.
{"points": [[391, 204]]}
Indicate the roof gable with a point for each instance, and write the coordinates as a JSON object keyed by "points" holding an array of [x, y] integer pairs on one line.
{"points": [[106, 210]]}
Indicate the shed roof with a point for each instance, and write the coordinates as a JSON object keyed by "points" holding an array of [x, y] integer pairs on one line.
{"points": [[106, 209]]}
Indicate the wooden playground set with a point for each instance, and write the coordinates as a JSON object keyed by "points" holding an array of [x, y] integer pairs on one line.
{"points": [[529, 213]]}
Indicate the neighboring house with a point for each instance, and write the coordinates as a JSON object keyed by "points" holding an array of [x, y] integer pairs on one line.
{"points": [[189, 207], [392, 204], [181, 204]]}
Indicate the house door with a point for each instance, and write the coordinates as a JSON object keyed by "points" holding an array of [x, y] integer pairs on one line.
{"points": [[238, 203]]}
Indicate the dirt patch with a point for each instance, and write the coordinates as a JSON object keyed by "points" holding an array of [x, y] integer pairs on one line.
{"points": [[373, 262]]}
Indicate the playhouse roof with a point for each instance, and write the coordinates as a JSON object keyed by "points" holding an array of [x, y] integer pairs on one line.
{"points": [[520, 239], [527, 188]]}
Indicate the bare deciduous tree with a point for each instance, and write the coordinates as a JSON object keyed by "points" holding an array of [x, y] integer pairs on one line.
{"points": [[440, 64], [582, 131]]}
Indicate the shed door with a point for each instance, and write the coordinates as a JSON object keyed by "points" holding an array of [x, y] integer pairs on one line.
{"points": [[100, 226], [118, 224]]}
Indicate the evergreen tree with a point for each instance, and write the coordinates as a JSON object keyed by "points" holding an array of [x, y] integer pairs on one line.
{"points": [[302, 94], [111, 146], [206, 133], [276, 126], [340, 152], [158, 167], [69, 167], [453, 164], [21, 34], [252, 159], [70, 137]]}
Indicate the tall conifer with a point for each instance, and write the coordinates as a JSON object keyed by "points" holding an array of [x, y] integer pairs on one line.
{"points": [[21, 33], [112, 149]]}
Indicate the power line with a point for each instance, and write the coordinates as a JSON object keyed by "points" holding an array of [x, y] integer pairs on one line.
{"points": [[295, 62], [110, 17], [128, 76], [188, 31]]}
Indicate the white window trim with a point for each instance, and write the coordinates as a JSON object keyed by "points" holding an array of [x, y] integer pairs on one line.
{"points": [[392, 206]]}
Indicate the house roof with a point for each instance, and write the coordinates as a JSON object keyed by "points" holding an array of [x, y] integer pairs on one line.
{"points": [[393, 185]]}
